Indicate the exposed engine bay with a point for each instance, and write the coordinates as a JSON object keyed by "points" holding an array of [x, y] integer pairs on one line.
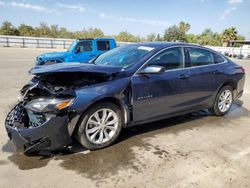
{"points": [[61, 84]]}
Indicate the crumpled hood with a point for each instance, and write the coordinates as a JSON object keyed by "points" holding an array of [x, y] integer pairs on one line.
{"points": [[53, 55], [74, 67]]}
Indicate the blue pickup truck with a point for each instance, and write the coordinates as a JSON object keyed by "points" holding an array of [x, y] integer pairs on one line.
{"points": [[81, 50]]}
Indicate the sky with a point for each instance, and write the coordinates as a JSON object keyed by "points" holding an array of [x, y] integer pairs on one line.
{"points": [[139, 17]]}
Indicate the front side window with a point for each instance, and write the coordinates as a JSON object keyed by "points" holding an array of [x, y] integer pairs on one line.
{"points": [[71, 47], [85, 46], [170, 59], [199, 57], [103, 45]]}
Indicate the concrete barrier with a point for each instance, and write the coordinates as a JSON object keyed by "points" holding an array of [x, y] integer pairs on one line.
{"points": [[61, 43], [38, 42]]}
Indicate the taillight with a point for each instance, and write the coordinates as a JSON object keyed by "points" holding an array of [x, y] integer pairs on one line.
{"points": [[242, 69]]}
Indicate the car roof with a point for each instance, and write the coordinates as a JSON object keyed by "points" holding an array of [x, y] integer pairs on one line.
{"points": [[163, 44], [95, 39]]}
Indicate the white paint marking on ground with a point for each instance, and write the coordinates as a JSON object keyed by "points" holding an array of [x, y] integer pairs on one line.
{"points": [[240, 154], [85, 152]]}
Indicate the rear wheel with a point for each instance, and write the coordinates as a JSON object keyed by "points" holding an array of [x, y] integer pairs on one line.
{"points": [[223, 101], [100, 126]]}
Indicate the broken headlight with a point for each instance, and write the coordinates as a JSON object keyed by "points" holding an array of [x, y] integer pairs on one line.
{"points": [[48, 104]]}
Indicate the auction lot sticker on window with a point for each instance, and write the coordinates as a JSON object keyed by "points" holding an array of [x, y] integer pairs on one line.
{"points": [[145, 48]]}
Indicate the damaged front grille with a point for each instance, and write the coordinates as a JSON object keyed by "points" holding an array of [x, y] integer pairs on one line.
{"points": [[17, 117]]}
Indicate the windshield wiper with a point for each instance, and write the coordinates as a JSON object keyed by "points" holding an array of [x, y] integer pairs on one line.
{"points": [[93, 60]]}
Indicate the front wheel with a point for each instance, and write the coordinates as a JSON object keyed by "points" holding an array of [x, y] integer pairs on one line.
{"points": [[223, 101], [100, 126]]}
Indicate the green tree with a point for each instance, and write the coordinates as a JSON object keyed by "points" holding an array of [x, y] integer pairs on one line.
{"points": [[43, 30], [172, 34], [151, 37], [228, 35], [177, 33], [54, 31], [240, 37], [158, 37], [64, 33], [8, 29], [192, 38], [125, 36], [89, 33], [26, 30], [184, 27], [209, 38]]}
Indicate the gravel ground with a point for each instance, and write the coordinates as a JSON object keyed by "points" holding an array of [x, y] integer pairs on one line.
{"points": [[194, 150]]}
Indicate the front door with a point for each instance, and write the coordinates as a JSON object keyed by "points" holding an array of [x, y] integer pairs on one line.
{"points": [[83, 51], [155, 95]]}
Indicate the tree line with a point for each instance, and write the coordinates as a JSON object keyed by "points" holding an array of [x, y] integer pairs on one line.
{"points": [[173, 33]]}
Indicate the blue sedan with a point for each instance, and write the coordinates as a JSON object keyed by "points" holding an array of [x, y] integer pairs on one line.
{"points": [[129, 85]]}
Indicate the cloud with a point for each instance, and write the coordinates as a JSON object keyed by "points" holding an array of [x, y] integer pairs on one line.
{"points": [[228, 12], [233, 6], [32, 7], [127, 19], [78, 7], [235, 2], [2, 3]]}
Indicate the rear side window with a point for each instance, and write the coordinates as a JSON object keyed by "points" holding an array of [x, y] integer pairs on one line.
{"points": [[103, 45], [85, 46], [218, 58], [170, 59], [199, 57]]}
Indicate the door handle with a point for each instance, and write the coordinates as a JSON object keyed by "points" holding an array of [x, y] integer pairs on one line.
{"points": [[184, 76], [217, 72]]}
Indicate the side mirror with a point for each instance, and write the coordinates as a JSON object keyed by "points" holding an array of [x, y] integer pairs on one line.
{"points": [[77, 50], [153, 69]]}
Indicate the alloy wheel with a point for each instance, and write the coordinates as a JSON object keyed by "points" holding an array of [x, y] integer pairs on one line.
{"points": [[101, 126], [225, 100]]}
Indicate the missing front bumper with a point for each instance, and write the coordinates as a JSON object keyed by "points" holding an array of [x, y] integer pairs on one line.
{"points": [[51, 135]]}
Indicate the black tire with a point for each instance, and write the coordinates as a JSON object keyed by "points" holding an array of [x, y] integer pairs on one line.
{"points": [[215, 110], [81, 132]]}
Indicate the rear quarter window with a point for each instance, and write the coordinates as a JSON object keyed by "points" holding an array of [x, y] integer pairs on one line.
{"points": [[200, 57], [103, 45], [218, 58]]}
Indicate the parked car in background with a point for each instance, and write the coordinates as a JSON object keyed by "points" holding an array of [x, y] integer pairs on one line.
{"points": [[81, 50], [126, 86]]}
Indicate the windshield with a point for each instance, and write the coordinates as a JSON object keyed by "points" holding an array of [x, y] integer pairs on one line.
{"points": [[71, 47], [124, 56]]}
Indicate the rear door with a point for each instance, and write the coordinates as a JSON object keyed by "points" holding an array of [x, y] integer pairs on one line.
{"points": [[164, 93], [203, 76]]}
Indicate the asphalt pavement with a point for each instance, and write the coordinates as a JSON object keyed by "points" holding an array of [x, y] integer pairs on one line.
{"points": [[194, 150]]}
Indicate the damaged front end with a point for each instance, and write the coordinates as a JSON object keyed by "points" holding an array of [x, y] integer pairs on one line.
{"points": [[31, 131], [43, 119]]}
